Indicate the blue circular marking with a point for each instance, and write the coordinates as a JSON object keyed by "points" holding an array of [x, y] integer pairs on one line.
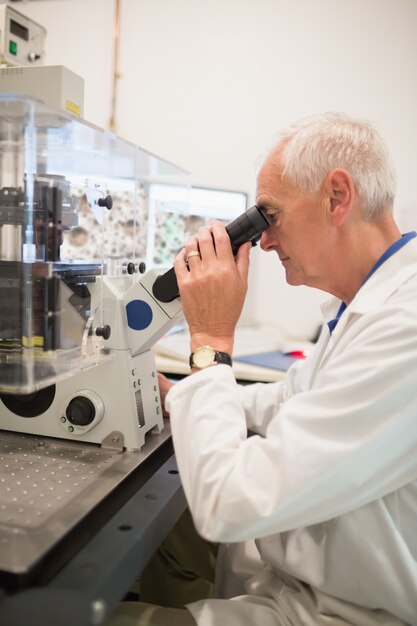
{"points": [[139, 314]]}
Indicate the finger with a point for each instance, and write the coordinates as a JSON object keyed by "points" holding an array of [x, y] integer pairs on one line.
{"points": [[222, 242], [243, 260], [192, 246], [181, 266], [206, 244]]}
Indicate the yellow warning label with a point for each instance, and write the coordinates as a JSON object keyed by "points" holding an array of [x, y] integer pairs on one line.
{"points": [[34, 342], [74, 108]]}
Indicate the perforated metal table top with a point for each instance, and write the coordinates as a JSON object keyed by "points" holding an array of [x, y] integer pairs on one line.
{"points": [[48, 485]]}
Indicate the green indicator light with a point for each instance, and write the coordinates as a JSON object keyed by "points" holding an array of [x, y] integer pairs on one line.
{"points": [[13, 47]]}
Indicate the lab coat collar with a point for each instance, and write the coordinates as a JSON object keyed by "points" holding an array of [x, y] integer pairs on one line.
{"points": [[378, 288]]}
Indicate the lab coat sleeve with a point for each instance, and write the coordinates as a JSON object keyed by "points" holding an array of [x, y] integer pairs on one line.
{"points": [[261, 401], [346, 442]]}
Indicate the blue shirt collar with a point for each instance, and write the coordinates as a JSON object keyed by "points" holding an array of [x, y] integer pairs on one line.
{"points": [[397, 245]]}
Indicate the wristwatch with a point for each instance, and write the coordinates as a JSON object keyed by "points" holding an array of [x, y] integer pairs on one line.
{"points": [[206, 356]]}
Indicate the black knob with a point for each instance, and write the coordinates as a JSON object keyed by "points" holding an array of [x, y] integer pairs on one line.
{"points": [[103, 331], [107, 202], [80, 411], [142, 267], [130, 268]]}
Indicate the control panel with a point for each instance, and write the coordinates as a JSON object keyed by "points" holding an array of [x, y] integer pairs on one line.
{"points": [[22, 41]]}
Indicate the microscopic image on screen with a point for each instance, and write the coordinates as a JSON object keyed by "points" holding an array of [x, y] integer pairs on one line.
{"points": [[170, 225], [171, 233]]}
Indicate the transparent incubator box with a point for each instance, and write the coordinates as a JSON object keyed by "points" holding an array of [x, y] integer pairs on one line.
{"points": [[73, 207]]}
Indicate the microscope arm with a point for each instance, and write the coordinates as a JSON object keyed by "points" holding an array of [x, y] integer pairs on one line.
{"points": [[148, 319], [137, 319]]}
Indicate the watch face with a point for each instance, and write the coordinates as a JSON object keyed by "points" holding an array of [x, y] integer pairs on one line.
{"points": [[203, 356]]}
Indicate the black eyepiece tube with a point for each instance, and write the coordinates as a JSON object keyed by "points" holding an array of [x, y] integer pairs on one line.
{"points": [[247, 227]]}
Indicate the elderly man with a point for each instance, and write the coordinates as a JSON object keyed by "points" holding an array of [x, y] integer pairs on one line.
{"points": [[327, 485]]}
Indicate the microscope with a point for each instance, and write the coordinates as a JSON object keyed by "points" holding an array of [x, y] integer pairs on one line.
{"points": [[78, 318]]}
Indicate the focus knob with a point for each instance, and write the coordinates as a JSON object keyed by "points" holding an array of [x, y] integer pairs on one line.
{"points": [[33, 56], [107, 202], [80, 411]]}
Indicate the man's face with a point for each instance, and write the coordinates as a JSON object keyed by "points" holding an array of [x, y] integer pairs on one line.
{"points": [[298, 225]]}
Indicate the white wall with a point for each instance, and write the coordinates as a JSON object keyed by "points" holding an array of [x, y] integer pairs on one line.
{"points": [[207, 85]]}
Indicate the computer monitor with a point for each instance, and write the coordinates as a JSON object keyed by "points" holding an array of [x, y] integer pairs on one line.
{"points": [[168, 229]]}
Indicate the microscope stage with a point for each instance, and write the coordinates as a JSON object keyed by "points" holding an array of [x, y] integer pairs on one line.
{"points": [[47, 486]]}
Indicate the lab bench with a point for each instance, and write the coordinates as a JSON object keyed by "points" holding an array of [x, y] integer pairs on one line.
{"points": [[78, 523]]}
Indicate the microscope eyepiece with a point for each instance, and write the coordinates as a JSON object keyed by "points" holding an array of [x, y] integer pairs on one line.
{"points": [[248, 226]]}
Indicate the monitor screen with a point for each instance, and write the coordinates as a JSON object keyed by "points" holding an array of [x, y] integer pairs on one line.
{"points": [[169, 224], [217, 204]]}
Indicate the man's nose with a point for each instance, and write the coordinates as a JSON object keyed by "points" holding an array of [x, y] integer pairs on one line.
{"points": [[267, 241]]}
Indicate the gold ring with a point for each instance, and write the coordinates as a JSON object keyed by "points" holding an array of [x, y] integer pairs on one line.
{"points": [[193, 253]]}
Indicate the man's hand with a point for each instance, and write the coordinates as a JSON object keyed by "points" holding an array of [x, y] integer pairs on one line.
{"points": [[213, 286], [164, 386]]}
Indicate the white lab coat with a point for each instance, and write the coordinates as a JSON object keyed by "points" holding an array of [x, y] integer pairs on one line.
{"points": [[328, 486]]}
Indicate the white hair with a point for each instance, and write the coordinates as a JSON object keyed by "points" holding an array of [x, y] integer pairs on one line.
{"points": [[316, 145]]}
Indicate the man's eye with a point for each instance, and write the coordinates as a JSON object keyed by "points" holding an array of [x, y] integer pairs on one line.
{"points": [[272, 218]]}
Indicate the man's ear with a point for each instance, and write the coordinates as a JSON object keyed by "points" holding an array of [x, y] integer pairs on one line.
{"points": [[341, 193]]}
